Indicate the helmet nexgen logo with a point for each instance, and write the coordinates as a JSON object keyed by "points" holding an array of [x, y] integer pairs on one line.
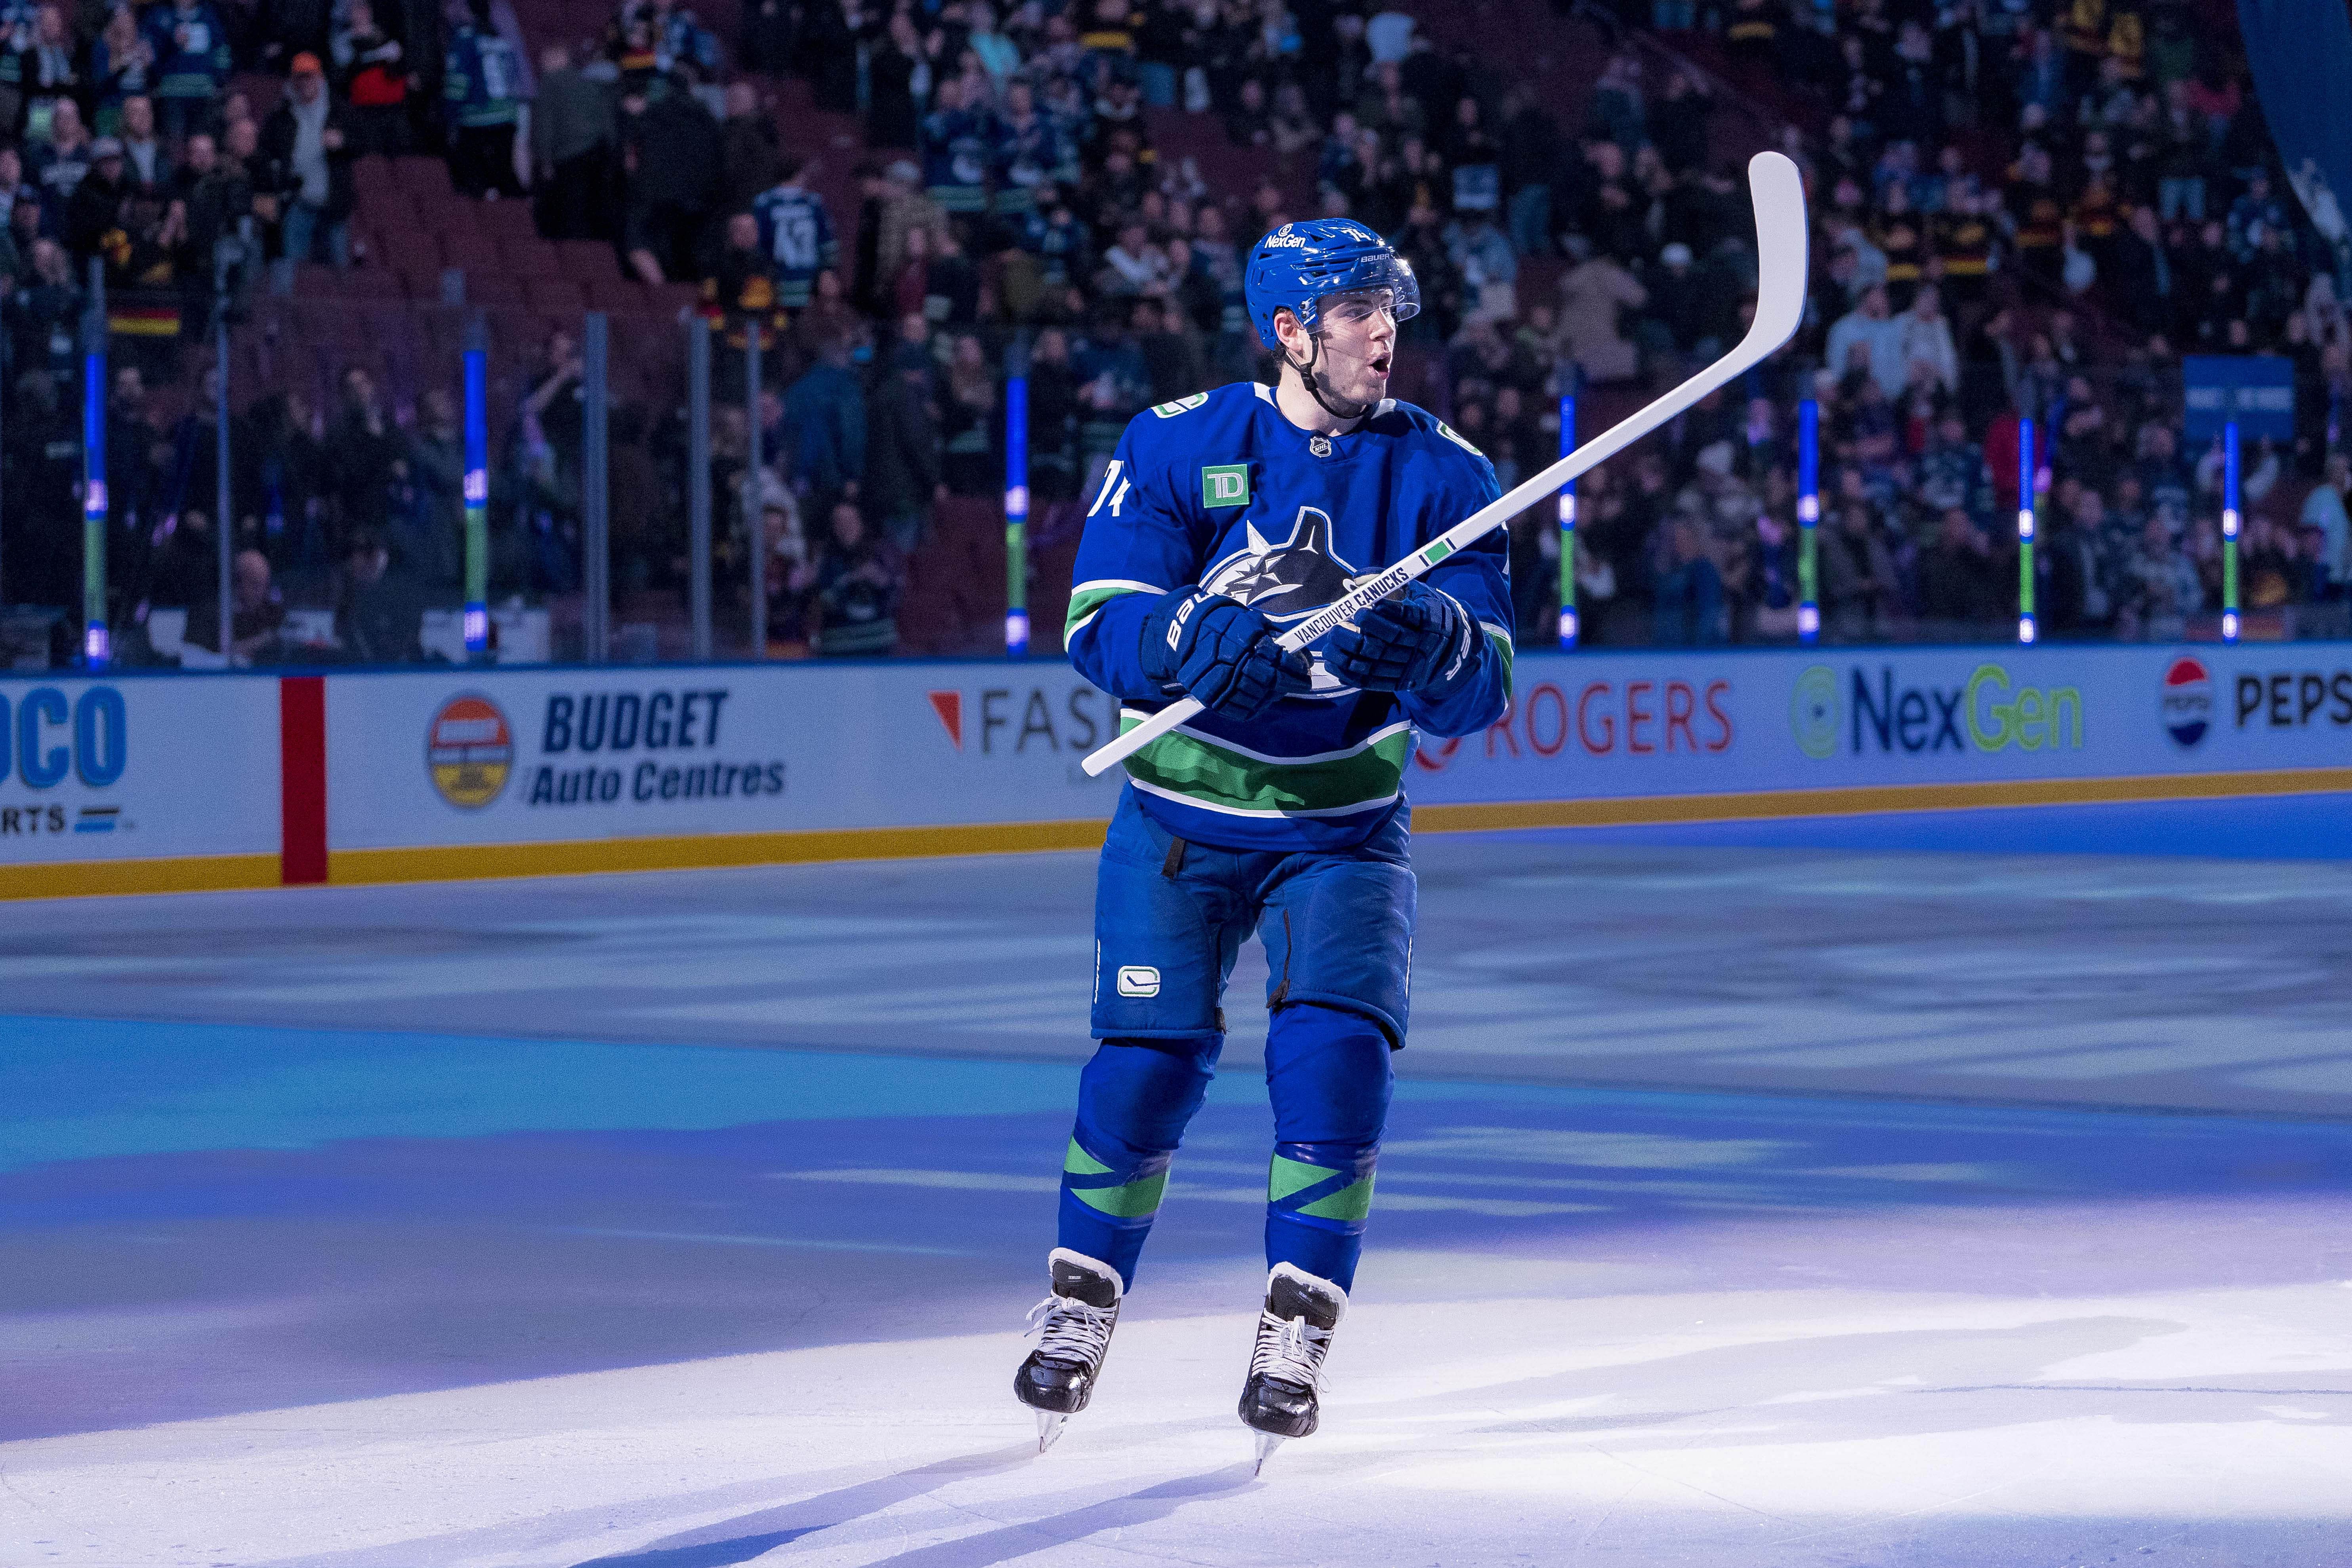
{"points": [[1993, 712]]}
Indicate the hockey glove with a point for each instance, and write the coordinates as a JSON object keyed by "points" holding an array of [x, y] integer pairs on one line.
{"points": [[1220, 651], [1409, 641]]}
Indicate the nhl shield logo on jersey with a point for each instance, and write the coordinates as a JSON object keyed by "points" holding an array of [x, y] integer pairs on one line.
{"points": [[1286, 582]]}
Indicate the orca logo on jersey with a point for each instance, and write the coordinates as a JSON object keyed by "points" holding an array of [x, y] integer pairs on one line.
{"points": [[1286, 582]]}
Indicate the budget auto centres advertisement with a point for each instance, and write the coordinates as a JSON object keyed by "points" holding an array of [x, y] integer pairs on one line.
{"points": [[457, 756], [136, 768]]}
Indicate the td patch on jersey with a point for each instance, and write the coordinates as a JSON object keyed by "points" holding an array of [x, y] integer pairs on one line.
{"points": [[1227, 484]]}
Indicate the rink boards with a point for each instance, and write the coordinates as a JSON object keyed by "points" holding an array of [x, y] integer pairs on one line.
{"points": [[174, 782]]}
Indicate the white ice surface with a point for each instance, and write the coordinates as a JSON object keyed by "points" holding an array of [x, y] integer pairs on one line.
{"points": [[1731, 1429]]}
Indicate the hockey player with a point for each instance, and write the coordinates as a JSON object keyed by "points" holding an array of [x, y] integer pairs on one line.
{"points": [[1224, 518]]}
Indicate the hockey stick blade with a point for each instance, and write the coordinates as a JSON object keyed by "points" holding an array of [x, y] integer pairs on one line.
{"points": [[1780, 275]]}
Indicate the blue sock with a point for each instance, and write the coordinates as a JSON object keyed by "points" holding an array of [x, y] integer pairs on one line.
{"points": [[1328, 1073], [1135, 1098]]}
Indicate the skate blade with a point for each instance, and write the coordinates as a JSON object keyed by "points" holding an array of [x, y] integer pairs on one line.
{"points": [[1267, 1443], [1049, 1426]]}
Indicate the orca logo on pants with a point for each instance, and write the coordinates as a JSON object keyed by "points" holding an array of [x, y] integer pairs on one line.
{"points": [[1139, 980]]}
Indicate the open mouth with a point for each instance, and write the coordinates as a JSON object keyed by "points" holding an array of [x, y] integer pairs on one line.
{"points": [[1379, 366]]}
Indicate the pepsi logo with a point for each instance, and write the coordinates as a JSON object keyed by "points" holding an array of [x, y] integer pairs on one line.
{"points": [[2187, 701]]}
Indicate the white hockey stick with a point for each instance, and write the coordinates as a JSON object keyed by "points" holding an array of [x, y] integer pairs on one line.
{"points": [[1780, 195]]}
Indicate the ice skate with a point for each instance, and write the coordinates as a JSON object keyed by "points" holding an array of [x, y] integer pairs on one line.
{"points": [[1285, 1373], [1073, 1325]]}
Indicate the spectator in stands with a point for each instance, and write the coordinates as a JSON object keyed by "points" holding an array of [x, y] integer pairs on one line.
{"points": [[215, 195], [751, 157], [95, 210], [379, 609], [892, 117], [970, 465], [366, 453], [306, 143], [428, 535], [483, 88], [59, 164], [371, 76], [185, 570], [1858, 577], [571, 140], [904, 478], [2324, 509], [1869, 340], [796, 233], [2158, 588], [826, 429], [1958, 595], [672, 152], [48, 72], [1593, 295], [122, 66], [1689, 591], [741, 289], [191, 46], [858, 586], [146, 164], [258, 612]]}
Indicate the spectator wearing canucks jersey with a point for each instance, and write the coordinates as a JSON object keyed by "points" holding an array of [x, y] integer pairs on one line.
{"points": [[797, 234], [192, 64], [959, 144], [483, 88]]}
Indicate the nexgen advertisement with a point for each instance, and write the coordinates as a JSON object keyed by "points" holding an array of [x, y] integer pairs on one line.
{"points": [[1615, 725]]}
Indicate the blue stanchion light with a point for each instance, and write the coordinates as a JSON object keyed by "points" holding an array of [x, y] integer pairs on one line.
{"points": [[1568, 624], [1016, 516], [1809, 517], [2026, 630], [97, 647], [2230, 500], [478, 503]]}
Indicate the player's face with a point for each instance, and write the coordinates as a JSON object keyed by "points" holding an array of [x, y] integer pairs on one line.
{"points": [[1360, 332]]}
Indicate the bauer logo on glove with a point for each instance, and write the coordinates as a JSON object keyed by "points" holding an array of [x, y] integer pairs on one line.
{"points": [[1415, 640]]}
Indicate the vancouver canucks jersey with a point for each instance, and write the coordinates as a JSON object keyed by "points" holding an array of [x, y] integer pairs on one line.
{"points": [[1222, 489], [798, 234]]}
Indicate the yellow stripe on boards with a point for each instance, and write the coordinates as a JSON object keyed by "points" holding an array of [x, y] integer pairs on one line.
{"points": [[96, 879], [214, 873], [1871, 799], [585, 857]]}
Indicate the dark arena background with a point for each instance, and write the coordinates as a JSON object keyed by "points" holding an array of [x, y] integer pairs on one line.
{"points": [[547, 868]]}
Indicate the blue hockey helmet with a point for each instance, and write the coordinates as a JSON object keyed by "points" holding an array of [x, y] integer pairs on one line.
{"points": [[1296, 266]]}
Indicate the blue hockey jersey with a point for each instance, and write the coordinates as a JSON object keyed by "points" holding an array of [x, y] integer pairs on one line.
{"points": [[1222, 489], [797, 232]]}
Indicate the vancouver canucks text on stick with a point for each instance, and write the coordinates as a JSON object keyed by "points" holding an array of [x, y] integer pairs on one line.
{"points": [[1223, 519]]}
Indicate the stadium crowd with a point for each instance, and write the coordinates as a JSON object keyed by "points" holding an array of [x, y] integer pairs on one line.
{"points": [[2022, 208]]}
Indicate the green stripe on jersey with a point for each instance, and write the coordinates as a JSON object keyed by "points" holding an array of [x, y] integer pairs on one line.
{"points": [[1212, 776], [1502, 641], [1089, 598]]}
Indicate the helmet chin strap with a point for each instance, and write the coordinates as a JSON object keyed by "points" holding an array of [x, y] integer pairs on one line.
{"points": [[1315, 383]]}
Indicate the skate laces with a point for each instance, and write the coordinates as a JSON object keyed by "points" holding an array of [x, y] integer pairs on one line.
{"points": [[1291, 1350], [1072, 1331]]}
